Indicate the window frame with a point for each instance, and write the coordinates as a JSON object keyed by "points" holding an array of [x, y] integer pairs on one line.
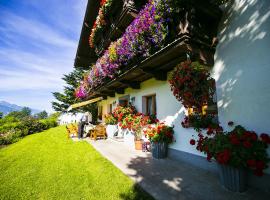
{"points": [[145, 108]]}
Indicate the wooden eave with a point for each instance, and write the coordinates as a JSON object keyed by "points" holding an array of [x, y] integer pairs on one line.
{"points": [[157, 65], [86, 55]]}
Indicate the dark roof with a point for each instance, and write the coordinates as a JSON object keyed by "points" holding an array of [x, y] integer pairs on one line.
{"points": [[86, 55]]}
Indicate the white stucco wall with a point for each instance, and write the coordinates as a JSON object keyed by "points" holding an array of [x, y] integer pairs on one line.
{"points": [[67, 118], [168, 109], [242, 65]]}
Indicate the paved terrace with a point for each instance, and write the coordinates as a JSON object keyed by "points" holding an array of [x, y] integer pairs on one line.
{"points": [[167, 179]]}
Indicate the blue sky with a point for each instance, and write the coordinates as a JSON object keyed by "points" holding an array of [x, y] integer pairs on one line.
{"points": [[38, 43]]}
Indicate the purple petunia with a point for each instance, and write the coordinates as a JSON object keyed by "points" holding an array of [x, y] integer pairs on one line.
{"points": [[147, 32]]}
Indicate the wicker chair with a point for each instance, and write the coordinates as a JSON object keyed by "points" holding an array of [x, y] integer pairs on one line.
{"points": [[72, 129], [98, 132]]}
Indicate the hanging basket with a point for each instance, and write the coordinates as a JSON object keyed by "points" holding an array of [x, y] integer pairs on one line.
{"points": [[232, 178]]}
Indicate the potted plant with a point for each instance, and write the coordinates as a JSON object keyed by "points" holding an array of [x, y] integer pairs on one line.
{"points": [[192, 85], [139, 121], [160, 135], [111, 128], [236, 152], [126, 126]]}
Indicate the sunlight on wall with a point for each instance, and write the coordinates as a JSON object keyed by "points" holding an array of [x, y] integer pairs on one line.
{"points": [[169, 120]]}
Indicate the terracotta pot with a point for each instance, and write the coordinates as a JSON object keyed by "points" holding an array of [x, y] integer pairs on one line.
{"points": [[138, 144]]}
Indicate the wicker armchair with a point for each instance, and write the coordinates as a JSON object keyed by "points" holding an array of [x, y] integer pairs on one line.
{"points": [[98, 132]]}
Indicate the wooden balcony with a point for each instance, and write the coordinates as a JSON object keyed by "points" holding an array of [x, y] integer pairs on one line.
{"points": [[191, 34]]}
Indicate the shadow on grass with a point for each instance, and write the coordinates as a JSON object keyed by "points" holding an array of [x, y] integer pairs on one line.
{"points": [[137, 194]]}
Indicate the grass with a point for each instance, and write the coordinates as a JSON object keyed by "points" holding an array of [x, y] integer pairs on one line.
{"points": [[47, 165]]}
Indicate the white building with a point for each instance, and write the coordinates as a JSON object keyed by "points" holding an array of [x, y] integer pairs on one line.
{"points": [[241, 70], [69, 118]]}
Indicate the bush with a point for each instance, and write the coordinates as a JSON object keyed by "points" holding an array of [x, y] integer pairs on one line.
{"points": [[10, 137], [11, 131]]}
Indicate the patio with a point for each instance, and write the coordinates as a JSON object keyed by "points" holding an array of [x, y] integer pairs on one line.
{"points": [[168, 179]]}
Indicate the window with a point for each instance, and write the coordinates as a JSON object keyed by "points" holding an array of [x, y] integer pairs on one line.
{"points": [[207, 113], [149, 104], [100, 112], [123, 101], [110, 108]]}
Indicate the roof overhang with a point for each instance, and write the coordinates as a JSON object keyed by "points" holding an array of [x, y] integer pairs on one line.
{"points": [[84, 103], [86, 55]]}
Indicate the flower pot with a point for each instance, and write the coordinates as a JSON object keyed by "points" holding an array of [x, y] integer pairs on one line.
{"points": [[138, 144], [111, 130], [129, 139], [159, 150], [232, 178]]}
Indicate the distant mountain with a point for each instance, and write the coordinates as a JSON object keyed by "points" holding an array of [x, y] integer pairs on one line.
{"points": [[7, 107]]}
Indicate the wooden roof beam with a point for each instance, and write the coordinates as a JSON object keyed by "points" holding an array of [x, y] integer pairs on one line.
{"points": [[132, 84]]}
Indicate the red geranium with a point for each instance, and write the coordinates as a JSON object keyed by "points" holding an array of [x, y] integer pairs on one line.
{"points": [[239, 148], [192, 142], [191, 84]]}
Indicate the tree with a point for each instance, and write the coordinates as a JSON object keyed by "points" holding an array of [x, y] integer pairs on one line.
{"points": [[25, 112], [66, 98], [1, 115], [42, 115]]}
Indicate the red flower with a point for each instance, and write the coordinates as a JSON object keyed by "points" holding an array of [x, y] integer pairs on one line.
{"points": [[234, 139], [260, 164], [192, 142], [251, 163], [247, 144], [210, 131], [209, 157], [253, 136], [258, 172], [224, 157]]}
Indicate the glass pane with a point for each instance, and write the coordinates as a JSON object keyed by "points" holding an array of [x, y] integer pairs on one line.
{"points": [[149, 105]]}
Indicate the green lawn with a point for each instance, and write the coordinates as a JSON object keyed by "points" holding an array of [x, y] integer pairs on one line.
{"points": [[48, 165]]}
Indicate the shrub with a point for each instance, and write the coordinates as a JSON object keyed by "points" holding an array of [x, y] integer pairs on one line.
{"points": [[11, 131]]}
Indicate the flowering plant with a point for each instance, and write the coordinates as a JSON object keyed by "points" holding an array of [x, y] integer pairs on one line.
{"points": [[191, 85], [100, 21], [239, 148], [199, 121], [81, 92], [110, 119], [159, 133], [146, 34], [120, 112], [140, 121], [127, 122]]}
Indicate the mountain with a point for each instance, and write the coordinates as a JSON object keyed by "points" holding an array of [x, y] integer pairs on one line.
{"points": [[7, 107]]}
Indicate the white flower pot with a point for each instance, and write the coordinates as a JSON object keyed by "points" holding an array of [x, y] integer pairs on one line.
{"points": [[111, 130], [129, 139]]}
